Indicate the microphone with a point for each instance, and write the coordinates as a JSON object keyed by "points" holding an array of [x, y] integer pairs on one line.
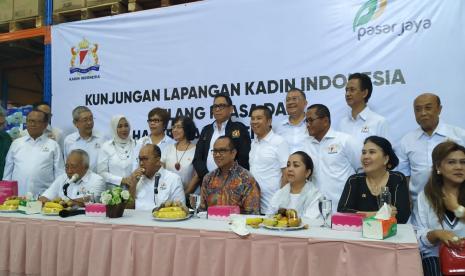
{"points": [[67, 183], [155, 184]]}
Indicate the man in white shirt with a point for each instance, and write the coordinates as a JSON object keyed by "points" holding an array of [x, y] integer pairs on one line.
{"points": [[293, 128], [335, 154], [268, 156], [156, 185], [416, 146], [86, 184], [85, 138], [51, 132], [362, 122], [34, 160]]}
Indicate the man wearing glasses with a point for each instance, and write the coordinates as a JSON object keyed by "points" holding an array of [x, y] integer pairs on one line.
{"points": [[229, 184], [336, 155], [293, 128], [34, 160], [85, 138], [222, 109]]}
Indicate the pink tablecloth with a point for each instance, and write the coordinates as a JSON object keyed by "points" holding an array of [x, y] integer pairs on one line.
{"points": [[48, 247]]}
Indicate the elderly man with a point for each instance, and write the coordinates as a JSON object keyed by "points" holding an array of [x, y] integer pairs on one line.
{"points": [[416, 146], [5, 141], [155, 185], [293, 128], [268, 156], [51, 132], [362, 122], [34, 160], [78, 181], [336, 155], [223, 125], [85, 138], [229, 184]]}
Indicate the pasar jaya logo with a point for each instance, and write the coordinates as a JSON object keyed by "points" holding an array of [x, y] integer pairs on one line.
{"points": [[372, 10]]}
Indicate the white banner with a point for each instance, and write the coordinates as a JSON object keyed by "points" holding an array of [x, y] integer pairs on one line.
{"points": [[178, 57]]}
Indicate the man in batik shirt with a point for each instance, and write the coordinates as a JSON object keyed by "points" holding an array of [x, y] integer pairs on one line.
{"points": [[229, 184]]}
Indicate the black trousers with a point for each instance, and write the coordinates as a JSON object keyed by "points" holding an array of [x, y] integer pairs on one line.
{"points": [[431, 266]]}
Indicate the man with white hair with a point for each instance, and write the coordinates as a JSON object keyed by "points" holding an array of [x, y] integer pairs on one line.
{"points": [[78, 181], [85, 138]]}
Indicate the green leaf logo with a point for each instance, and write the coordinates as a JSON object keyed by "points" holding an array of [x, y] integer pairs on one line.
{"points": [[365, 13]]}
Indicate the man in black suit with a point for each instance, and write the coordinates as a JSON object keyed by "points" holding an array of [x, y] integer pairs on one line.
{"points": [[222, 109]]}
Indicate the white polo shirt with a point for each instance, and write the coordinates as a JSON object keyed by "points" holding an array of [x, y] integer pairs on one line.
{"points": [[415, 153], [211, 165], [367, 123], [89, 183], [266, 158], [115, 162], [146, 140], [33, 163], [169, 188], [295, 135], [91, 146], [335, 158]]}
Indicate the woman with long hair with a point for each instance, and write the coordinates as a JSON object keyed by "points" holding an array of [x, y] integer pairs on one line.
{"points": [[441, 210]]}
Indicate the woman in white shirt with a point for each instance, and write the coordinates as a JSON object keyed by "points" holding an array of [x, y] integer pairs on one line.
{"points": [[116, 156], [178, 157], [441, 210], [300, 193]]}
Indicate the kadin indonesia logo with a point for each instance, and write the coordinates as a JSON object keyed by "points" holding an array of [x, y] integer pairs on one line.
{"points": [[84, 61], [371, 10]]}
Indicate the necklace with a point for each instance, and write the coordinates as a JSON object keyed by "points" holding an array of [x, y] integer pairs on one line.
{"points": [[177, 165]]}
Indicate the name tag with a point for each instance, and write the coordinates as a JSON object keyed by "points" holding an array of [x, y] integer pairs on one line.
{"points": [[97, 145], [365, 129], [333, 149], [162, 186]]}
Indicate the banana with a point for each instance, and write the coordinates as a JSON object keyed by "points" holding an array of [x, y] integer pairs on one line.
{"points": [[170, 209], [170, 215], [8, 207], [270, 221], [51, 210], [50, 204], [14, 202], [253, 221]]}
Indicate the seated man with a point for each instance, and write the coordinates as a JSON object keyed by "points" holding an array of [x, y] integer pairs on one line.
{"points": [[78, 181], [151, 174], [229, 184]]}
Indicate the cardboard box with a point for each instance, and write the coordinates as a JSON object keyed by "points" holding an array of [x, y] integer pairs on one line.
{"points": [[7, 189], [379, 229], [28, 8], [66, 5], [29, 207], [6, 10], [222, 212]]}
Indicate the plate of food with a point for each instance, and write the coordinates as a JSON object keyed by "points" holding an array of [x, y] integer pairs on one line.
{"points": [[284, 220], [10, 205], [171, 211], [53, 208]]}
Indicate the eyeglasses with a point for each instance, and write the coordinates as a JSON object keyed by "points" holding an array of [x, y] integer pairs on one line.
{"points": [[220, 151], [310, 120], [33, 122], [86, 119], [156, 121], [177, 127], [219, 106]]}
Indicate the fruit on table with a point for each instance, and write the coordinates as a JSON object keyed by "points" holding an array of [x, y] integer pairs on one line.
{"points": [[284, 218], [171, 210], [294, 222], [11, 202], [52, 207], [253, 221], [282, 222], [270, 221]]}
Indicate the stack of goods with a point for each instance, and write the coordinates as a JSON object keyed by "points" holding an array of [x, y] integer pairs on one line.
{"points": [[10, 205], [347, 221], [96, 210], [222, 212], [171, 210], [283, 219]]}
